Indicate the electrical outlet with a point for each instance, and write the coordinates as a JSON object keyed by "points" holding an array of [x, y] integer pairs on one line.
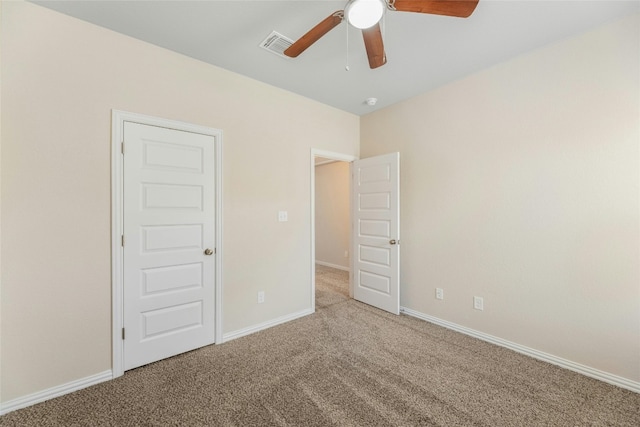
{"points": [[260, 297], [283, 216], [478, 303], [439, 293]]}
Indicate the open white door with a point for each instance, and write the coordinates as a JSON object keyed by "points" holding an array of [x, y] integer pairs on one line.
{"points": [[376, 231], [169, 237]]}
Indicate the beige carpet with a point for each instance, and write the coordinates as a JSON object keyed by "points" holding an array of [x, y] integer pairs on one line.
{"points": [[349, 365]]}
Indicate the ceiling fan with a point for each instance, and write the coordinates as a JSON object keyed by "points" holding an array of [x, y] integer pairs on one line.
{"points": [[366, 15]]}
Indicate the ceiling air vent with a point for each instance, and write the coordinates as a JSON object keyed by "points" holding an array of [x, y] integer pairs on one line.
{"points": [[276, 43]]}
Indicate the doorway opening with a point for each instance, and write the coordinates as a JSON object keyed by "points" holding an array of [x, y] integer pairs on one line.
{"points": [[374, 228], [330, 216]]}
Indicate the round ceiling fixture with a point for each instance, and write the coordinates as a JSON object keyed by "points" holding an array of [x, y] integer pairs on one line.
{"points": [[364, 13]]}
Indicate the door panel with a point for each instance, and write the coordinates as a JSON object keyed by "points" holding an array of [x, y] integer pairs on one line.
{"points": [[376, 214], [169, 220]]}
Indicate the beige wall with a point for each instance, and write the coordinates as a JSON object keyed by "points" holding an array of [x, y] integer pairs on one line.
{"points": [[61, 78], [332, 213], [520, 185]]}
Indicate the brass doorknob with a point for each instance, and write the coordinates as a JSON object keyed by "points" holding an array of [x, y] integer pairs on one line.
{"points": [[208, 251], [392, 242]]}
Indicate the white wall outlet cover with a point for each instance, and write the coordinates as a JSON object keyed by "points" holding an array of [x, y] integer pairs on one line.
{"points": [[439, 293], [478, 303], [283, 216]]}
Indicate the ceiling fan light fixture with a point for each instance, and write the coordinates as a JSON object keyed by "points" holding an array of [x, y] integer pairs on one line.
{"points": [[364, 13]]}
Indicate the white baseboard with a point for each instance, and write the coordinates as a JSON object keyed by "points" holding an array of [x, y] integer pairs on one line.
{"points": [[41, 396], [328, 264], [50, 393], [540, 355], [265, 325]]}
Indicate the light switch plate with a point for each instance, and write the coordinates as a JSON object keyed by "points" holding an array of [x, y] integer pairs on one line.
{"points": [[282, 216]]}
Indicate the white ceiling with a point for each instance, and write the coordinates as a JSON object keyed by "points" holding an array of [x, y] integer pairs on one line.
{"points": [[423, 51]]}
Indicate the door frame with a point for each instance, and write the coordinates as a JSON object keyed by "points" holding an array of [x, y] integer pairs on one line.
{"points": [[341, 158], [117, 253]]}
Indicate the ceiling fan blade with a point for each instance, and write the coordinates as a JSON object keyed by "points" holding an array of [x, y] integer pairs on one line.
{"points": [[375, 47], [314, 34], [457, 8]]}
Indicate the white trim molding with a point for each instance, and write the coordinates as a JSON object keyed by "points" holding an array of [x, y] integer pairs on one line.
{"points": [[336, 266], [265, 325], [326, 162], [536, 354], [50, 393], [117, 137]]}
